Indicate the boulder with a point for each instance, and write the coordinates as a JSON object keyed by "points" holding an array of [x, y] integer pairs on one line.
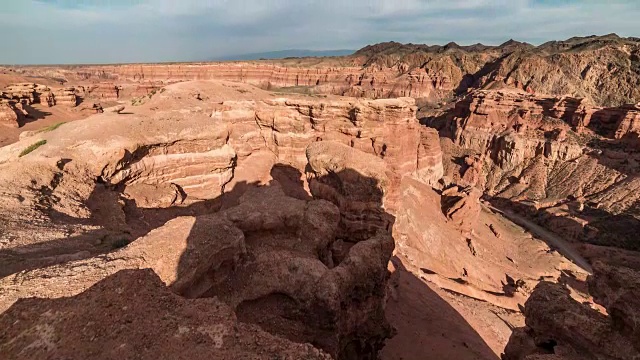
{"points": [[8, 116], [557, 324]]}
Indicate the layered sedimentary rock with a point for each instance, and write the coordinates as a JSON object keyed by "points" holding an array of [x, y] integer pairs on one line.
{"points": [[462, 206], [103, 91], [133, 314], [553, 153], [66, 96], [496, 111], [200, 175], [601, 69], [385, 128], [29, 93], [557, 324], [349, 81], [24, 92], [309, 270], [358, 183]]}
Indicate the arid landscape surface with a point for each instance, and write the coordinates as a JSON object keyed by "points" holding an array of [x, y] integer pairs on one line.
{"points": [[403, 202]]}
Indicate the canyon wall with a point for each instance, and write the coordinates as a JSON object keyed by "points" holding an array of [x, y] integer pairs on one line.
{"points": [[573, 164], [604, 70]]}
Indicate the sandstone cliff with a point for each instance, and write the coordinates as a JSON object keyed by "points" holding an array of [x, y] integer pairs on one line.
{"points": [[604, 70]]}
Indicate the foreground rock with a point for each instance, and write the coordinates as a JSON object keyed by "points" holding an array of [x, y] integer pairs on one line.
{"points": [[271, 254], [133, 315], [557, 324], [207, 219]]}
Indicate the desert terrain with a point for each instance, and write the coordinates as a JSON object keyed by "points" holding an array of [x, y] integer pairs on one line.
{"points": [[403, 202]]}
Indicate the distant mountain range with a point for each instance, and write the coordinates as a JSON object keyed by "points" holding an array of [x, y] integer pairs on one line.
{"points": [[285, 54]]}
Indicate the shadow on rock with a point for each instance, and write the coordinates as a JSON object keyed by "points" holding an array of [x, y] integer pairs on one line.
{"points": [[427, 327], [312, 271]]}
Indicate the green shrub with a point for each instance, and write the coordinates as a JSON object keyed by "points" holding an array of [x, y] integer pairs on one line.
{"points": [[51, 127], [32, 147]]}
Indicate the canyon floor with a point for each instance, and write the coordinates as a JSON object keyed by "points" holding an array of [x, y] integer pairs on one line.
{"points": [[147, 211]]}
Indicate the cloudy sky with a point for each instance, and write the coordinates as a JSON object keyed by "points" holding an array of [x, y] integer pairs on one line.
{"points": [[103, 31]]}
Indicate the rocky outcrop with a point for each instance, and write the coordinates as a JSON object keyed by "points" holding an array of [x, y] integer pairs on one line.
{"points": [[199, 174], [8, 115], [309, 270], [133, 314], [103, 92], [603, 69], [542, 152], [618, 290], [66, 96], [462, 207], [273, 259], [113, 109], [29, 93], [387, 129], [358, 183], [23, 92], [557, 324], [490, 111]]}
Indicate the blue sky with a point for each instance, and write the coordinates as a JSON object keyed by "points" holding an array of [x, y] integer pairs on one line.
{"points": [[104, 31]]}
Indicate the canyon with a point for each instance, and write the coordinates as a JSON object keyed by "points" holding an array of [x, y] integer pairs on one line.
{"points": [[403, 202]]}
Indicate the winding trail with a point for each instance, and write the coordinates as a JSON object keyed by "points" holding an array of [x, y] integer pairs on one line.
{"points": [[563, 247]]}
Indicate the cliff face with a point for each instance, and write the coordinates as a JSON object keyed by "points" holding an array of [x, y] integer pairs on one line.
{"points": [[603, 70], [387, 129], [573, 164]]}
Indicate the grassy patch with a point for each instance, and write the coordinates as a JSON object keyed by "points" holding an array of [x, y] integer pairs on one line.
{"points": [[51, 127], [32, 147]]}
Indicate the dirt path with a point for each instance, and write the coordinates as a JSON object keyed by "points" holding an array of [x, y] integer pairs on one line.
{"points": [[563, 247]]}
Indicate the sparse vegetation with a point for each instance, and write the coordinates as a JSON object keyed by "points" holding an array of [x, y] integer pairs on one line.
{"points": [[32, 147], [120, 243], [143, 99], [51, 127]]}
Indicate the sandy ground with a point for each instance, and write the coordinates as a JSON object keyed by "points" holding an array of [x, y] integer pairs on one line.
{"points": [[435, 324], [43, 117]]}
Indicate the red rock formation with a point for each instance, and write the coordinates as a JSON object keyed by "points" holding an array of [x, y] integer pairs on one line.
{"points": [[462, 206], [8, 116], [557, 324], [358, 183], [474, 170], [47, 99], [525, 151], [23, 92], [132, 314], [385, 128], [28, 93], [103, 92], [66, 96]]}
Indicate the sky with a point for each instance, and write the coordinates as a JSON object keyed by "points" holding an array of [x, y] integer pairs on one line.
{"points": [[117, 31]]}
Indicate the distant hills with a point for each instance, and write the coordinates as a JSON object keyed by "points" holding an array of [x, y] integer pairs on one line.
{"points": [[285, 54]]}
